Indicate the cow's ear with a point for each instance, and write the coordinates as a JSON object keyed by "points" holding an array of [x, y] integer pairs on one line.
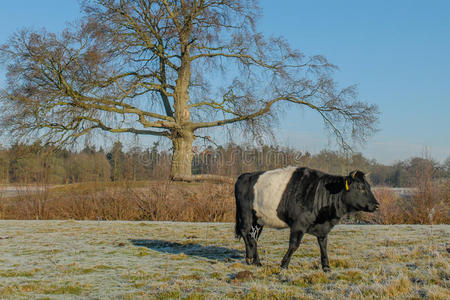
{"points": [[335, 187], [357, 174]]}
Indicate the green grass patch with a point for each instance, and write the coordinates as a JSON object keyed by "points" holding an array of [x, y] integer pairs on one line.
{"points": [[352, 276], [17, 273]]}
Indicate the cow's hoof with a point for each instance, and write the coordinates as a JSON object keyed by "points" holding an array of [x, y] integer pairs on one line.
{"points": [[257, 263], [249, 261], [326, 269], [284, 266]]}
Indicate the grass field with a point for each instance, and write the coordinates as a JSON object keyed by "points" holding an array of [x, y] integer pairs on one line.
{"points": [[164, 260]]}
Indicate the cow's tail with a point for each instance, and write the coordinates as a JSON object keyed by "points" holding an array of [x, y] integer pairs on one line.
{"points": [[237, 226]]}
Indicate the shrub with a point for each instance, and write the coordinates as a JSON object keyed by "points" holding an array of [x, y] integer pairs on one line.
{"points": [[155, 201]]}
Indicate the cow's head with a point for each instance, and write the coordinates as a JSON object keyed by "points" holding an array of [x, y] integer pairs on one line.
{"points": [[357, 194]]}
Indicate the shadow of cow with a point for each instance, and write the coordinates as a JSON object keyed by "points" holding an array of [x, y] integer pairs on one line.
{"points": [[190, 249]]}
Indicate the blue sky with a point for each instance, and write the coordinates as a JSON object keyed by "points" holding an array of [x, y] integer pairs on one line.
{"points": [[397, 52]]}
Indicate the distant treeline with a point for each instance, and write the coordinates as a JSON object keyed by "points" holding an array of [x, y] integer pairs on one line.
{"points": [[38, 164]]}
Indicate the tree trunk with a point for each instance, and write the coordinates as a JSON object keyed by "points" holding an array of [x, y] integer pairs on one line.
{"points": [[183, 137], [182, 155], [181, 169]]}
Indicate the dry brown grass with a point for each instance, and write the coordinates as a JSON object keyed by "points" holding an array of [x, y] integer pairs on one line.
{"points": [[430, 204], [187, 202], [155, 201], [197, 202], [389, 211]]}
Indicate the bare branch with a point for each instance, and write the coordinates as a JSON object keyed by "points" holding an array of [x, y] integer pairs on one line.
{"points": [[168, 68]]}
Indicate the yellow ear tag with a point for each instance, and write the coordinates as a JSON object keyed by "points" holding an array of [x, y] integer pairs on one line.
{"points": [[346, 185]]}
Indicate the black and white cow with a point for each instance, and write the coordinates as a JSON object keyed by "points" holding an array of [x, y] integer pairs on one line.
{"points": [[303, 199]]}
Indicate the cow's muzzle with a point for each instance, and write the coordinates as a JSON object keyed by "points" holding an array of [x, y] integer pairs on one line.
{"points": [[373, 207]]}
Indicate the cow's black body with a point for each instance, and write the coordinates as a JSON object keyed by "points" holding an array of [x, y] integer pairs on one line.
{"points": [[308, 201]]}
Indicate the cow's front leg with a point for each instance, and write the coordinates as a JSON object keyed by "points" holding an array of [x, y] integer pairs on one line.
{"points": [[294, 242], [323, 253]]}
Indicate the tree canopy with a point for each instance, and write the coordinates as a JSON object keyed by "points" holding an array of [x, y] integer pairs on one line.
{"points": [[168, 68]]}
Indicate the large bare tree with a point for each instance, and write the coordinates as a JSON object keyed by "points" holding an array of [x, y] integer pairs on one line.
{"points": [[167, 68]]}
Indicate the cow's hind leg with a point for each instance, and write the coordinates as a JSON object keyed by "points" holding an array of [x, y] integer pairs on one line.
{"points": [[248, 249], [255, 232], [294, 242], [244, 227], [250, 234]]}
